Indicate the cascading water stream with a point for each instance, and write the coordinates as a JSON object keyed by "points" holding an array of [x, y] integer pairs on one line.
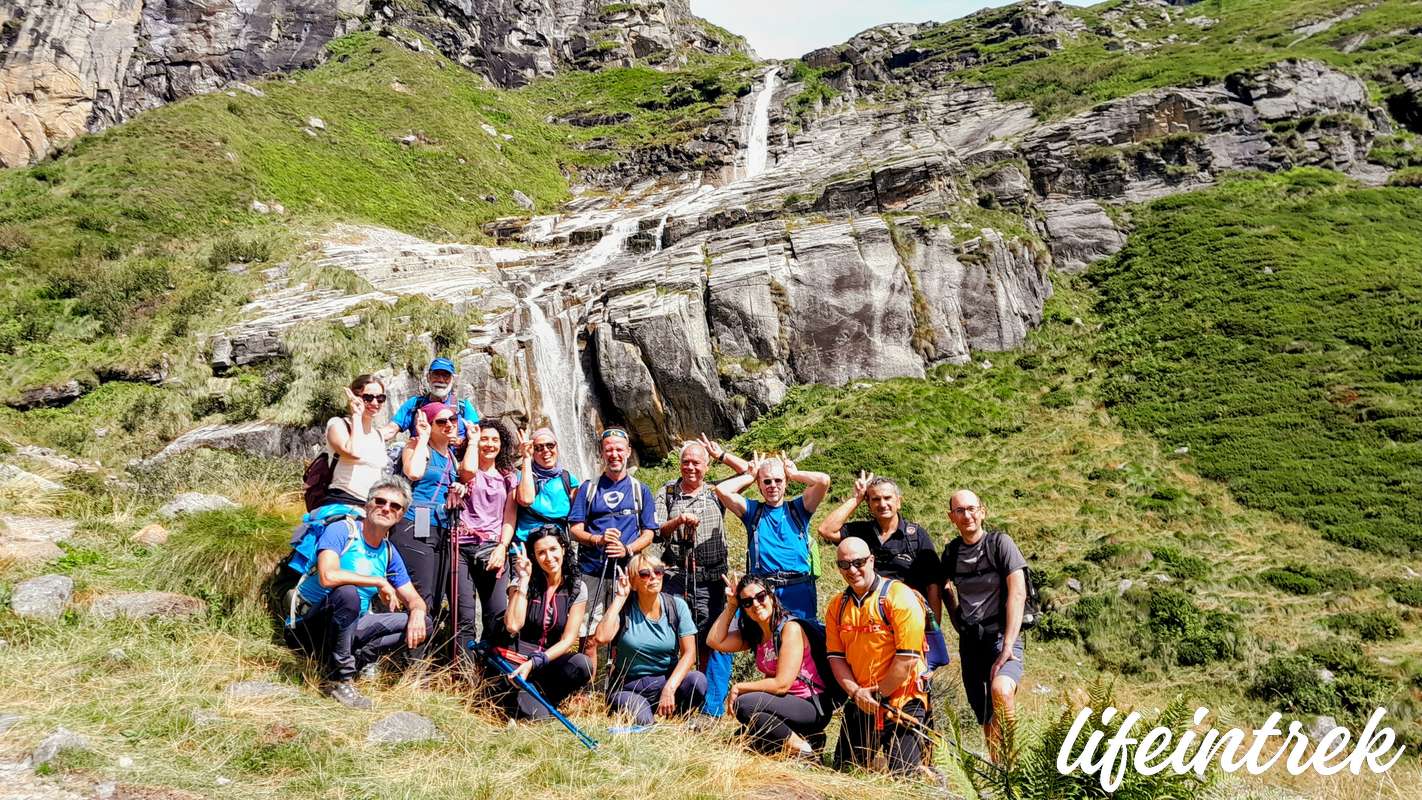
{"points": [[758, 147]]}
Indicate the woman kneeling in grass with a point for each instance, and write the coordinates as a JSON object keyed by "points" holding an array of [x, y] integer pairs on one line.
{"points": [[787, 707], [654, 637], [545, 612]]}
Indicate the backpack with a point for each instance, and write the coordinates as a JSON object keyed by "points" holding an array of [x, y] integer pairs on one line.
{"points": [[300, 563], [568, 492], [832, 693], [316, 480], [753, 526], [1031, 610], [935, 648]]}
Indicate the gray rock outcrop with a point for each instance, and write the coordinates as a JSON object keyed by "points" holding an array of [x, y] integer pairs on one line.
{"points": [[403, 727], [144, 605], [33, 539], [61, 741], [43, 598], [194, 503], [261, 438]]}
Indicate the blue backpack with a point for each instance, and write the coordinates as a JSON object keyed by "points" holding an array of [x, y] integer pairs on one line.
{"points": [[300, 563]]}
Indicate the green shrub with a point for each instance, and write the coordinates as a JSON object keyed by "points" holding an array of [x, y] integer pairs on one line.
{"points": [[1179, 565], [1303, 579], [227, 555], [1409, 593], [1370, 626], [1293, 683]]}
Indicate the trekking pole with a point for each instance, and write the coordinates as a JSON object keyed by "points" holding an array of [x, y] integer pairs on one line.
{"points": [[943, 740], [506, 668], [454, 594]]}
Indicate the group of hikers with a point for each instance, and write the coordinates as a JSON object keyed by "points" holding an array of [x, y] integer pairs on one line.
{"points": [[473, 514]]}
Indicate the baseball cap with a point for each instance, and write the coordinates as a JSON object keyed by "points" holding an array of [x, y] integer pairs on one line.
{"points": [[442, 364]]}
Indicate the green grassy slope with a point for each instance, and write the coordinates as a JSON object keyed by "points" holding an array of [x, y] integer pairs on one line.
{"points": [[117, 255]]}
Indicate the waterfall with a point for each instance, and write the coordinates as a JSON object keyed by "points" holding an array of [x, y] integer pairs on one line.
{"points": [[758, 146], [558, 368]]}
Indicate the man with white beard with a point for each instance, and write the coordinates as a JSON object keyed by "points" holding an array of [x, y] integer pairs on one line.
{"points": [[439, 388]]}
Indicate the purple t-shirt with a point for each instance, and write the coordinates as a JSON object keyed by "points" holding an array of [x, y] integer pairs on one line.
{"points": [[482, 517]]}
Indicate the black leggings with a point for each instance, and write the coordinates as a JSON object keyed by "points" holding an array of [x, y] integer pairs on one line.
{"points": [[427, 562], [769, 719], [556, 681], [475, 579], [860, 738]]}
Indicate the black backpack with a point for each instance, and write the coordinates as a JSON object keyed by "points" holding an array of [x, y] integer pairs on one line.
{"points": [[1031, 610], [814, 630]]}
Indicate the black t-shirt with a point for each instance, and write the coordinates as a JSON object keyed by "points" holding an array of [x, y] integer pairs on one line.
{"points": [[908, 554], [982, 575]]}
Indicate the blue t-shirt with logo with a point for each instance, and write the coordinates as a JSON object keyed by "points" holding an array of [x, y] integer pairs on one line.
{"points": [[359, 558], [613, 506], [550, 502], [780, 542], [645, 647]]}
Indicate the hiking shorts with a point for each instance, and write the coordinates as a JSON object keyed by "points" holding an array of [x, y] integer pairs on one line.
{"points": [[976, 656], [596, 605]]}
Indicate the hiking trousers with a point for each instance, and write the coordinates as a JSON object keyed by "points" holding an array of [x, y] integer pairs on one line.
{"points": [[426, 560], [557, 680], [639, 696], [476, 582], [860, 738], [336, 633], [769, 719]]}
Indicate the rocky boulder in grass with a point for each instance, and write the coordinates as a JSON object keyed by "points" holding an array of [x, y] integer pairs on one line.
{"points": [[61, 741], [145, 605], [33, 539], [42, 598], [403, 727], [195, 503]]}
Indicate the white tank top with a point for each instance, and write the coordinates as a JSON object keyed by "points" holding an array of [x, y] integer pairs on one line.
{"points": [[357, 476]]}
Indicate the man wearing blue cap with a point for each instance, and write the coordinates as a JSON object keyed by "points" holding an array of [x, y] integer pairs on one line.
{"points": [[439, 388]]}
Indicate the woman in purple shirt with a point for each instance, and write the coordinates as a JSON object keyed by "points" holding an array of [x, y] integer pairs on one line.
{"points": [[484, 528]]}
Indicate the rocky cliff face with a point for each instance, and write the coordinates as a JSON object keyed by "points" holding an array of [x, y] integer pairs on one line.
{"points": [[84, 65]]}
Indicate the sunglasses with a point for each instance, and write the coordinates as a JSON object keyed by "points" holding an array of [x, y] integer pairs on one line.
{"points": [[618, 432], [444, 421], [644, 574], [759, 597], [380, 502], [853, 563], [545, 448], [374, 398]]}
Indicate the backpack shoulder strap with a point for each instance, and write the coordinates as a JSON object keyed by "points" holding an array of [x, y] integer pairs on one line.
{"points": [[567, 486], [671, 613], [884, 586]]}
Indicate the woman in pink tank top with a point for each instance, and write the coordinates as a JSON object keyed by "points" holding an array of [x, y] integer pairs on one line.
{"points": [[786, 710]]}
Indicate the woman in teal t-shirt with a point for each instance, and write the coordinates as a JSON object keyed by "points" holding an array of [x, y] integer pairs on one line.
{"points": [[655, 641]]}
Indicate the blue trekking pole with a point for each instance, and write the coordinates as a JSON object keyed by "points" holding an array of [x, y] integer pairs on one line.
{"points": [[507, 669]]}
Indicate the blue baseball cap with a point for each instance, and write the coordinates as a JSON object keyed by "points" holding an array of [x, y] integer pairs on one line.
{"points": [[442, 364]]}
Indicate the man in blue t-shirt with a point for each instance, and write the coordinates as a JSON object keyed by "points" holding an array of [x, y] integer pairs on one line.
{"points": [[354, 564], [439, 388], [613, 518], [777, 532]]}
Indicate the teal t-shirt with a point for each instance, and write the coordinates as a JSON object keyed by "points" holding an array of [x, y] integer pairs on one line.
{"points": [[550, 502], [647, 648], [360, 558]]}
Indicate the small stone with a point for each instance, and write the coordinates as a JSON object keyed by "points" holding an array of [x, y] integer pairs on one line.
{"points": [[249, 89], [231, 94], [12, 473], [146, 605], [489, 129], [523, 200], [1326, 675], [258, 207], [42, 598], [409, 139], [1268, 270], [1182, 450], [116, 655], [402, 727], [1321, 726], [1042, 689], [8, 721], [4, 643], [1161, 577], [105, 790], [101, 432], [61, 741], [316, 123], [508, 137], [1124, 586], [203, 717], [985, 364], [153, 535], [1078, 322], [250, 690], [1074, 585], [195, 503], [125, 762], [221, 781], [278, 208], [310, 132]]}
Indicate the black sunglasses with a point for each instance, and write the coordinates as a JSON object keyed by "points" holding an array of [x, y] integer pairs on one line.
{"points": [[853, 563], [758, 597], [549, 446], [380, 502], [374, 398], [444, 421], [644, 574]]}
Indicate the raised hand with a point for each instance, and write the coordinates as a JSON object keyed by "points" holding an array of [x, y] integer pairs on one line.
{"points": [[731, 579], [354, 403], [861, 485], [715, 451], [621, 584], [522, 566], [525, 445], [422, 426]]}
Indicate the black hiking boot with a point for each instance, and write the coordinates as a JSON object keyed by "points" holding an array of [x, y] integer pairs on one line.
{"points": [[344, 692]]}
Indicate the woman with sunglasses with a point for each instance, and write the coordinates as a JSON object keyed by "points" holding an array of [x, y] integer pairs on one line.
{"points": [[358, 442], [785, 708], [546, 604], [484, 526], [429, 463], [545, 489], [654, 637]]}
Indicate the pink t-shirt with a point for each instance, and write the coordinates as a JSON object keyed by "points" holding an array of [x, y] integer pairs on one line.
{"points": [[483, 515], [807, 685]]}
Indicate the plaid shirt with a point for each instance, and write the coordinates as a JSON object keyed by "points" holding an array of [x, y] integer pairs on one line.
{"points": [[711, 555]]}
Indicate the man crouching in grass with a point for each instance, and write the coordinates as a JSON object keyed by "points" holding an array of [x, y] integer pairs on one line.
{"points": [[337, 623]]}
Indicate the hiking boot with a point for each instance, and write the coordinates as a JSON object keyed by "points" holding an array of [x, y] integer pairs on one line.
{"points": [[344, 692]]}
